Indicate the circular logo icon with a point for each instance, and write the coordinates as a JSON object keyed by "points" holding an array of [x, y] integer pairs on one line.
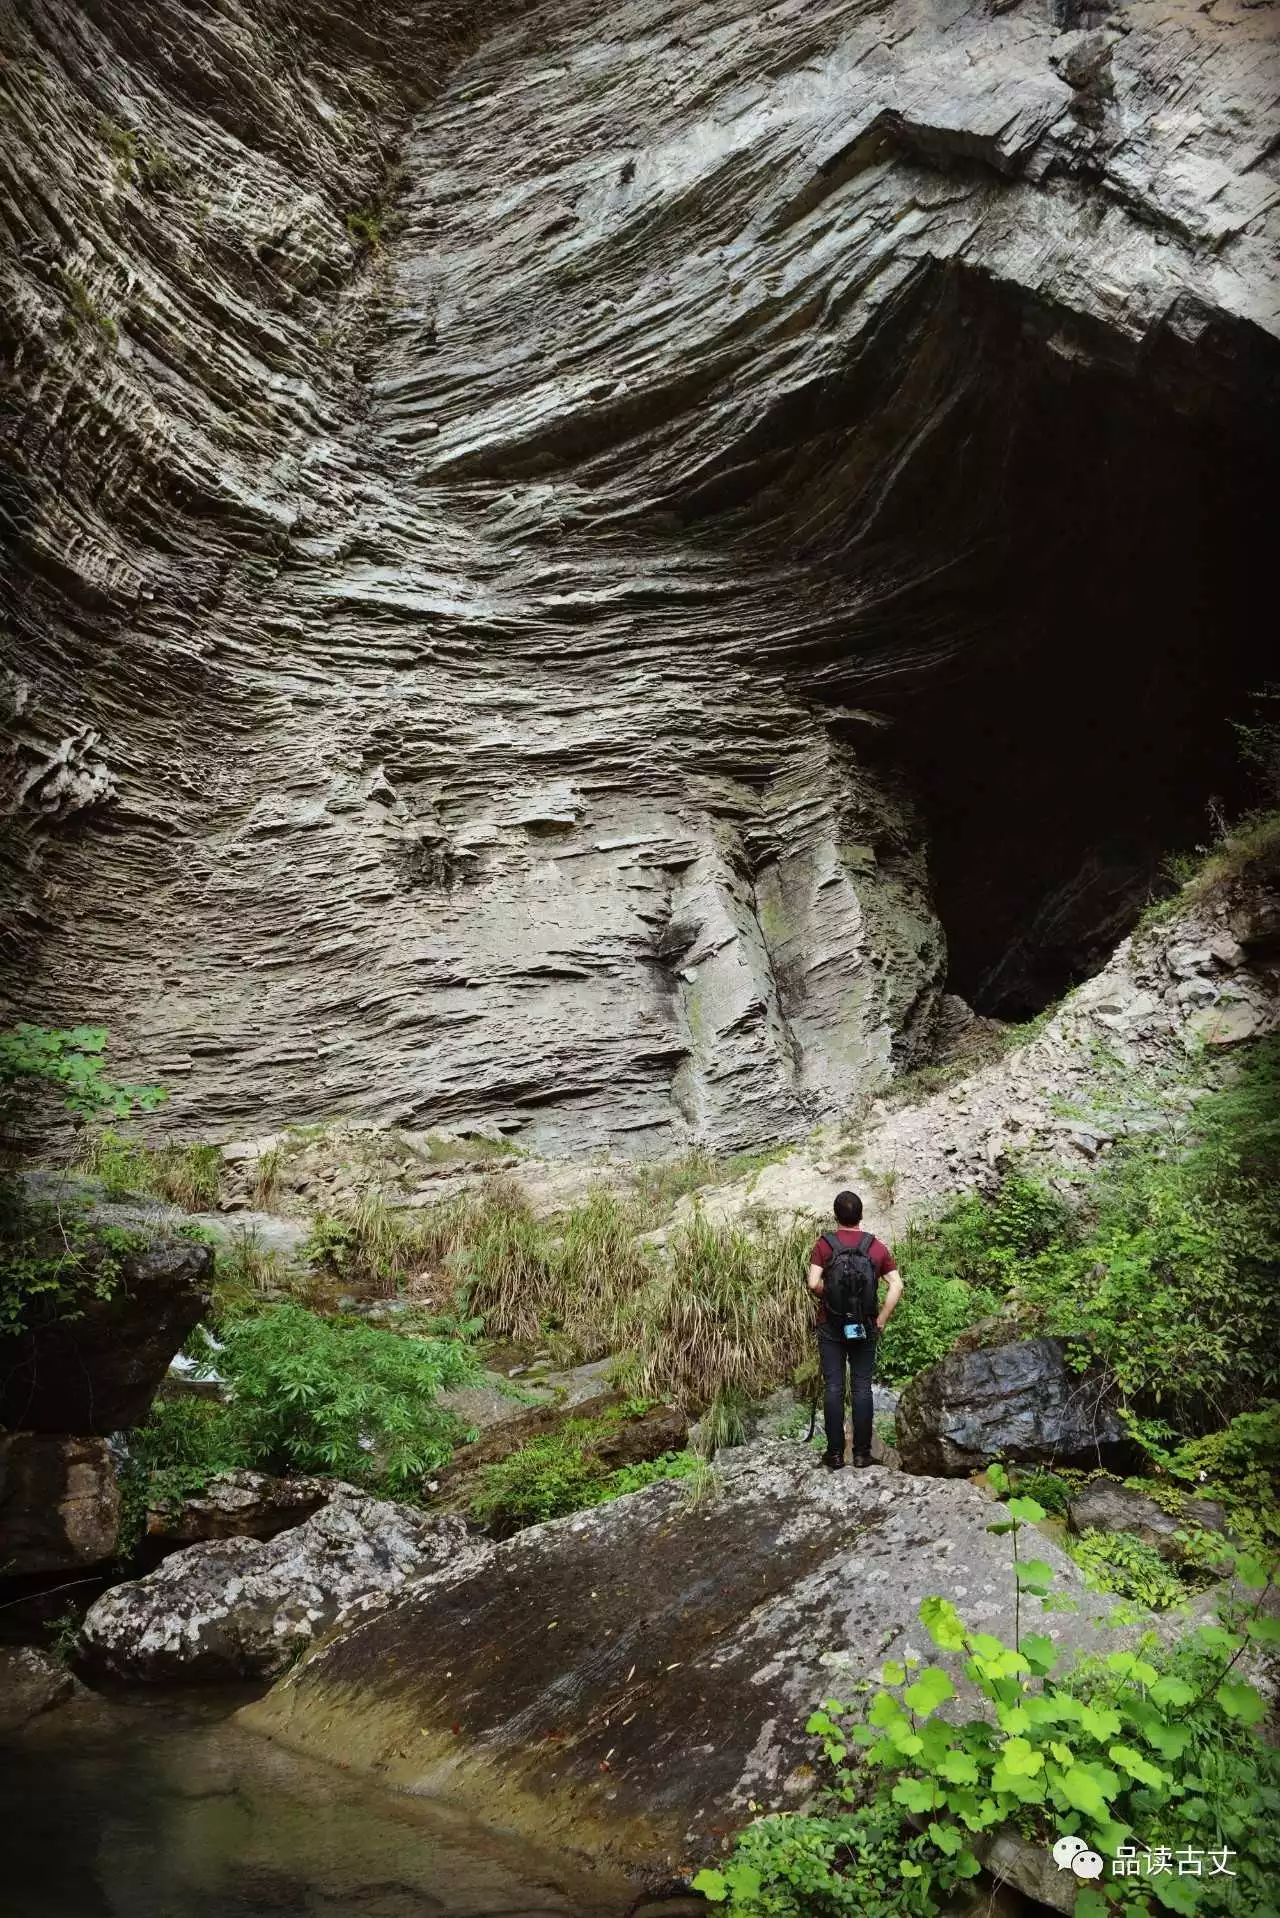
{"points": [[1066, 1850]]}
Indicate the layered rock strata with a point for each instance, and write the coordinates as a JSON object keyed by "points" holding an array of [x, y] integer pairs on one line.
{"points": [[523, 524]]}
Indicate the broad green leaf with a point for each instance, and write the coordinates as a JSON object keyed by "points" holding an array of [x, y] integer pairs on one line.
{"points": [[1027, 1510], [959, 1768], [1026, 1789], [997, 1478], [712, 1884], [1034, 1575], [1002, 1528], [1039, 1651], [1172, 1691], [1251, 1572], [1090, 1903], [903, 1739], [885, 1708], [893, 1673], [1021, 1757], [1127, 1665], [1013, 1718], [931, 1689], [910, 1870], [943, 1623], [744, 1882], [946, 1838], [917, 1794], [1265, 1631], [1099, 1721], [967, 1865], [1136, 1765], [1063, 1753], [1241, 1700], [820, 1722], [1081, 1789], [1175, 1894]]}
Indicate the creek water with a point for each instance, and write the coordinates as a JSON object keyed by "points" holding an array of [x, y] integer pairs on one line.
{"points": [[167, 1808]]}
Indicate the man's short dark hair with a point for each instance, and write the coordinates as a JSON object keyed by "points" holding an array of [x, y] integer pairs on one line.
{"points": [[848, 1208]]}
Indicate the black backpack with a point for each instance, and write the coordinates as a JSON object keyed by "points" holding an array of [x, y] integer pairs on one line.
{"points": [[850, 1289]]}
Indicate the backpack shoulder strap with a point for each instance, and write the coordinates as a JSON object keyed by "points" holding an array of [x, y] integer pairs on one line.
{"points": [[868, 1240]]}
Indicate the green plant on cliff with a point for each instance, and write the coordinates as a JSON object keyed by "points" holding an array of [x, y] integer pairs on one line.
{"points": [[1145, 1754], [50, 1257], [40, 1065]]}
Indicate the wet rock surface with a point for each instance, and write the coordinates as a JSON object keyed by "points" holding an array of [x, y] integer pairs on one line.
{"points": [[1019, 1400], [59, 1503], [555, 577], [630, 1678], [241, 1607]]}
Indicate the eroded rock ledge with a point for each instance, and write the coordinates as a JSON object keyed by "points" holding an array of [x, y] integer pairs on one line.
{"points": [[496, 639]]}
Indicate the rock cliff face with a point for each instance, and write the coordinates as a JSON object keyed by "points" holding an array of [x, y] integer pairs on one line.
{"points": [[546, 544]]}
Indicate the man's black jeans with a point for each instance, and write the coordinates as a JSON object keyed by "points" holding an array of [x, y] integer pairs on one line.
{"points": [[833, 1350]]}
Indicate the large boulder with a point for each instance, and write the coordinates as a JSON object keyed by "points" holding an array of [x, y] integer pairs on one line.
{"points": [[59, 1503], [1105, 1505], [245, 1607], [31, 1682], [97, 1371], [628, 1679], [1019, 1400], [237, 1505]]}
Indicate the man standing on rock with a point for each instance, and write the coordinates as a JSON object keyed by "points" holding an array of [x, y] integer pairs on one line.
{"points": [[846, 1268]]}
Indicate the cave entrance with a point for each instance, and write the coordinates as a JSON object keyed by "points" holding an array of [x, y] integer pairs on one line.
{"points": [[1076, 615]]}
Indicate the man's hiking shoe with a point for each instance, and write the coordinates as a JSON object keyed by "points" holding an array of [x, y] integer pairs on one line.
{"points": [[832, 1463], [862, 1460]]}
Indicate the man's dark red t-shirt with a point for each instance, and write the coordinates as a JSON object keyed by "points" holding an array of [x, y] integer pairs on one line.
{"points": [[882, 1259]]}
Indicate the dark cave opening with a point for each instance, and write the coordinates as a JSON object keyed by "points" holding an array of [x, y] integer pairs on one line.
{"points": [[1060, 549], [1093, 734]]}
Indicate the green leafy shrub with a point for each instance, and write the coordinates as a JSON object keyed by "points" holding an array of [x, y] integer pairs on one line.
{"points": [[67, 1066], [318, 1395], [1240, 1465], [1149, 1746], [1053, 1490], [1173, 1235], [959, 1268], [847, 1865], [184, 1444], [1117, 1562]]}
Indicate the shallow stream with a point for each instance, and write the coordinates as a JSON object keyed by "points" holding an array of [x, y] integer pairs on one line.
{"points": [[166, 1808]]}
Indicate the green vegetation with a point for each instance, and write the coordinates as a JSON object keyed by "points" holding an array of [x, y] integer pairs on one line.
{"points": [[1120, 1563], [1166, 1273], [135, 154], [726, 1313], [40, 1067], [1239, 1465], [307, 1394], [1143, 1747], [962, 1267], [561, 1473], [83, 309], [364, 225], [51, 1262], [189, 1176]]}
